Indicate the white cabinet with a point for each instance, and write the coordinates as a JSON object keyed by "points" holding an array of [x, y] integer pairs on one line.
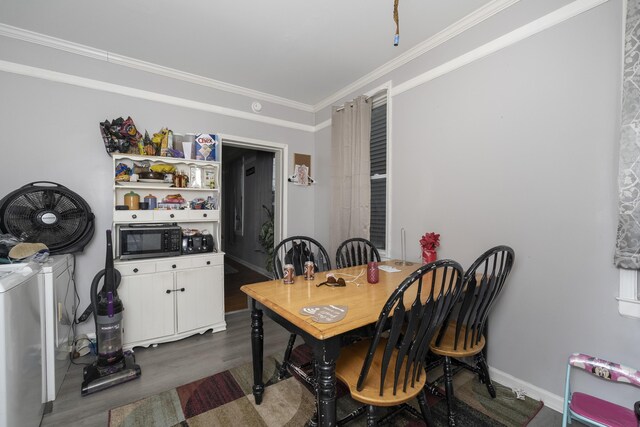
{"points": [[169, 299], [56, 279], [194, 293]]}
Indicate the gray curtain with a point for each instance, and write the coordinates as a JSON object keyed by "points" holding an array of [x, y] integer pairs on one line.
{"points": [[350, 207], [628, 241]]}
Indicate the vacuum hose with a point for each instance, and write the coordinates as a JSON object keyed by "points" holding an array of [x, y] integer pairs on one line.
{"points": [[107, 311], [93, 306]]}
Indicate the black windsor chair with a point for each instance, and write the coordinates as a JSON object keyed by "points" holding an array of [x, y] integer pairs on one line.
{"points": [[297, 250], [463, 332], [388, 369], [356, 251]]}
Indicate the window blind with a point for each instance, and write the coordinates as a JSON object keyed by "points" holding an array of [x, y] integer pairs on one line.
{"points": [[378, 153]]}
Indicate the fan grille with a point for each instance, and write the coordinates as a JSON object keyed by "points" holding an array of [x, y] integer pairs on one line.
{"points": [[52, 216]]}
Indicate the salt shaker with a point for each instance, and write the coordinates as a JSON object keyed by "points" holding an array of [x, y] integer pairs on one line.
{"points": [[372, 272]]}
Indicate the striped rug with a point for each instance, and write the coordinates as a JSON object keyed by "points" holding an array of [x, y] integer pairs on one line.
{"points": [[225, 399]]}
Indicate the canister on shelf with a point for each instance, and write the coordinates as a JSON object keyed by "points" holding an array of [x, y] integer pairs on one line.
{"points": [[132, 200], [152, 201], [180, 180]]}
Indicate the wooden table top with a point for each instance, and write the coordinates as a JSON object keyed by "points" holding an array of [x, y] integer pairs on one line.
{"points": [[364, 302]]}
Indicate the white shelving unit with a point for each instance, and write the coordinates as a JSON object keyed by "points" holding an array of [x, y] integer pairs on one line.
{"points": [[170, 298]]}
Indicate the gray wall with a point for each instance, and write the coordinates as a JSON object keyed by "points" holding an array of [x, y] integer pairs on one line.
{"points": [[516, 148], [50, 132], [520, 148]]}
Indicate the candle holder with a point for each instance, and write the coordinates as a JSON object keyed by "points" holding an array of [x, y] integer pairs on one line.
{"points": [[403, 243]]}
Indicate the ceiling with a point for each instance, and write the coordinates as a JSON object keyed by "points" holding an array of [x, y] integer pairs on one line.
{"points": [[304, 51]]}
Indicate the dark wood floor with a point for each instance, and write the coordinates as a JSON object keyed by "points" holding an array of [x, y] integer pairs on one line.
{"points": [[235, 276]]}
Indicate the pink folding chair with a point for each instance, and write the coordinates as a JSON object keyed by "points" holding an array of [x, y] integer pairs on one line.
{"points": [[594, 411]]}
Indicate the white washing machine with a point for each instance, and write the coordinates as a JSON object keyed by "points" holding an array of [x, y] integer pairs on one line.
{"points": [[21, 352], [56, 278]]}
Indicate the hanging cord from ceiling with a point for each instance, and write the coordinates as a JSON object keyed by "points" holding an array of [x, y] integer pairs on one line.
{"points": [[396, 38]]}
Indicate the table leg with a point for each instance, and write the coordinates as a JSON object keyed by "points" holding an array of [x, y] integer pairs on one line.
{"points": [[326, 353], [257, 341]]}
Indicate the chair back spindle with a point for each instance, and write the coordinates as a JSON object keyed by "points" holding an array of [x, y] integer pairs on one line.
{"points": [[483, 282], [412, 315], [297, 250], [356, 251]]}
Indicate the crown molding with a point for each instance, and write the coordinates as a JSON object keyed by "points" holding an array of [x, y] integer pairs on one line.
{"points": [[474, 18], [554, 18], [547, 21], [102, 55], [322, 125], [54, 76], [43, 40]]}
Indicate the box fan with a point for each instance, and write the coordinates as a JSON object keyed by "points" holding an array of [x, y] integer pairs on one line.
{"points": [[49, 213]]}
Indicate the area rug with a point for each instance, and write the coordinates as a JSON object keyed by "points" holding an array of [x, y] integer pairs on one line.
{"points": [[225, 399]]}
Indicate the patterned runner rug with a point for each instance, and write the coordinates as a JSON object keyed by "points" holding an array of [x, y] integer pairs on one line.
{"points": [[225, 399]]}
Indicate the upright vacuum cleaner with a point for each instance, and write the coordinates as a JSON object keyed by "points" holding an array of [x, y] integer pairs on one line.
{"points": [[113, 366]]}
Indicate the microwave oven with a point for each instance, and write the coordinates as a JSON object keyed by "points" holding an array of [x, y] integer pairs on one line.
{"points": [[149, 240]]}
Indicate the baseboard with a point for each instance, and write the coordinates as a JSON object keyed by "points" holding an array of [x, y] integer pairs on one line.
{"points": [[247, 264], [550, 400]]}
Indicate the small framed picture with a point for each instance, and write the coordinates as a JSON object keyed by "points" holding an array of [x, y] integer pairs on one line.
{"points": [[301, 175]]}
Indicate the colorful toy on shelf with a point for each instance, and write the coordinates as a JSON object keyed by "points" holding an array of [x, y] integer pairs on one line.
{"points": [[162, 141], [200, 203], [123, 172], [120, 135], [146, 145]]}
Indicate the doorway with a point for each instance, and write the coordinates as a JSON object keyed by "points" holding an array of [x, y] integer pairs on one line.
{"points": [[251, 211]]}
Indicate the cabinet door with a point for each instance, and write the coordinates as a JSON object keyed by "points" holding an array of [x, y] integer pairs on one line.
{"points": [[202, 301], [149, 311]]}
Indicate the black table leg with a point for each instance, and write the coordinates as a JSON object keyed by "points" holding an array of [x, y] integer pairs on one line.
{"points": [[257, 341], [326, 353]]}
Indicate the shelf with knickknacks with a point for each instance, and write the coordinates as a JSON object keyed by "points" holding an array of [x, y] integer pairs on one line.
{"points": [[187, 284]]}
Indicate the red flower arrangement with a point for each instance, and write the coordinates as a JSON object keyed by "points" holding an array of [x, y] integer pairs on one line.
{"points": [[430, 241]]}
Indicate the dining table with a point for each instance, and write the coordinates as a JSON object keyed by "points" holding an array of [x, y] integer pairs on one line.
{"points": [[285, 304]]}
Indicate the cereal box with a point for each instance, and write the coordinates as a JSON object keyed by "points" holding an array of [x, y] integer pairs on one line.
{"points": [[206, 146]]}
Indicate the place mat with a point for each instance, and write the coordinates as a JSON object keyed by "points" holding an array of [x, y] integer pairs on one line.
{"points": [[325, 313]]}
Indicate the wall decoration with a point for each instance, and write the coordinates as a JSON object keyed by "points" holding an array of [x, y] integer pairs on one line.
{"points": [[301, 170]]}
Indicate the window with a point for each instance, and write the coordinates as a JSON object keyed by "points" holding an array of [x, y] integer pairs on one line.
{"points": [[378, 228], [629, 299]]}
